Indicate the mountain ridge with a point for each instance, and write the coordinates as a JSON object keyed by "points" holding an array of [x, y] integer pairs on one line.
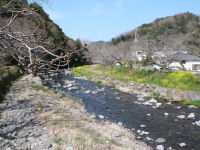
{"points": [[184, 27]]}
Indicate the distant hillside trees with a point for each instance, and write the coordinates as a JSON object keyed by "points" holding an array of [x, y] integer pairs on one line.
{"points": [[163, 36]]}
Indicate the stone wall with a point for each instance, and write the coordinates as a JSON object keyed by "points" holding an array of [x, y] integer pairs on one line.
{"points": [[161, 92]]}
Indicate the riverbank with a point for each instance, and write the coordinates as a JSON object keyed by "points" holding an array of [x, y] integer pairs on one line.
{"points": [[8, 74], [174, 86], [34, 117]]}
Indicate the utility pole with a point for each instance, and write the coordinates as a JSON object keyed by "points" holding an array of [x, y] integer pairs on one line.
{"points": [[135, 40]]}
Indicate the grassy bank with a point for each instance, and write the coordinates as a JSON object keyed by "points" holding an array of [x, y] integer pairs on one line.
{"points": [[181, 80]]}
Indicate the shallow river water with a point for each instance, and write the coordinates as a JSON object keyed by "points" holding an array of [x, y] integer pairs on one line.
{"points": [[149, 119]]}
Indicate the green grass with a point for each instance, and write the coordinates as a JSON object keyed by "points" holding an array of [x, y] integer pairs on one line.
{"points": [[98, 140], [40, 88], [157, 96], [195, 103], [181, 80], [98, 82], [54, 123], [58, 140], [2, 73]]}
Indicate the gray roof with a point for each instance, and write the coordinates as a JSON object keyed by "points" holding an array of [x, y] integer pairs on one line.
{"points": [[187, 57]]}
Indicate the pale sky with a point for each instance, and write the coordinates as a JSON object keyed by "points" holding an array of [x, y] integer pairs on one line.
{"points": [[103, 19]]}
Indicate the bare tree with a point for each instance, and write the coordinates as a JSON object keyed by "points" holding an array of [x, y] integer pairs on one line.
{"points": [[30, 50], [163, 53]]}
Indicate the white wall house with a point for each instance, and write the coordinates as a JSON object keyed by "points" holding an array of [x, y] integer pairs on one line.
{"points": [[190, 62], [140, 55]]}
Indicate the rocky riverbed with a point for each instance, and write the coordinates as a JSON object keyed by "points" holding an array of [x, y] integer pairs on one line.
{"points": [[161, 124], [33, 117]]}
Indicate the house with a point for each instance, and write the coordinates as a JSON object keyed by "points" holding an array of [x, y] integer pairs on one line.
{"points": [[140, 55], [190, 62]]}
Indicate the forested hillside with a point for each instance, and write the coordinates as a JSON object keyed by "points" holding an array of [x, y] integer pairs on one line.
{"points": [[166, 35], [39, 26], [183, 27]]}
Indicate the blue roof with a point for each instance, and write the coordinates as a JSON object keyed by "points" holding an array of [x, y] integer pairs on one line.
{"points": [[187, 57]]}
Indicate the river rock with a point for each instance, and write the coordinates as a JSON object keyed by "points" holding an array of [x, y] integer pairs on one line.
{"points": [[148, 138], [143, 126], [144, 133], [181, 116], [192, 106], [69, 85], [166, 114], [153, 100], [138, 137], [139, 131], [197, 123], [158, 104], [87, 92], [168, 103], [101, 90], [160, 140], [147, 103], [182, 144], [169, 148], [137, 103], [101, 116], [191, 115], [148, 114], [140, 99], [144, 94], [117, 97], [94, 92], [73, 88], [159, 147], [179, 107]]}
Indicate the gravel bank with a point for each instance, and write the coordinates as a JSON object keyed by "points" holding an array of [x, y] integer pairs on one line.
{"points": [[34, 117]]}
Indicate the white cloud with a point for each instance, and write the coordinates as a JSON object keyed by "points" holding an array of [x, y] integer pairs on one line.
{"points": [[55, 15]]}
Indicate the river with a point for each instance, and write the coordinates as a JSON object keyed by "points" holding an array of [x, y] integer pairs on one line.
{"points": [[153, 121]]}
